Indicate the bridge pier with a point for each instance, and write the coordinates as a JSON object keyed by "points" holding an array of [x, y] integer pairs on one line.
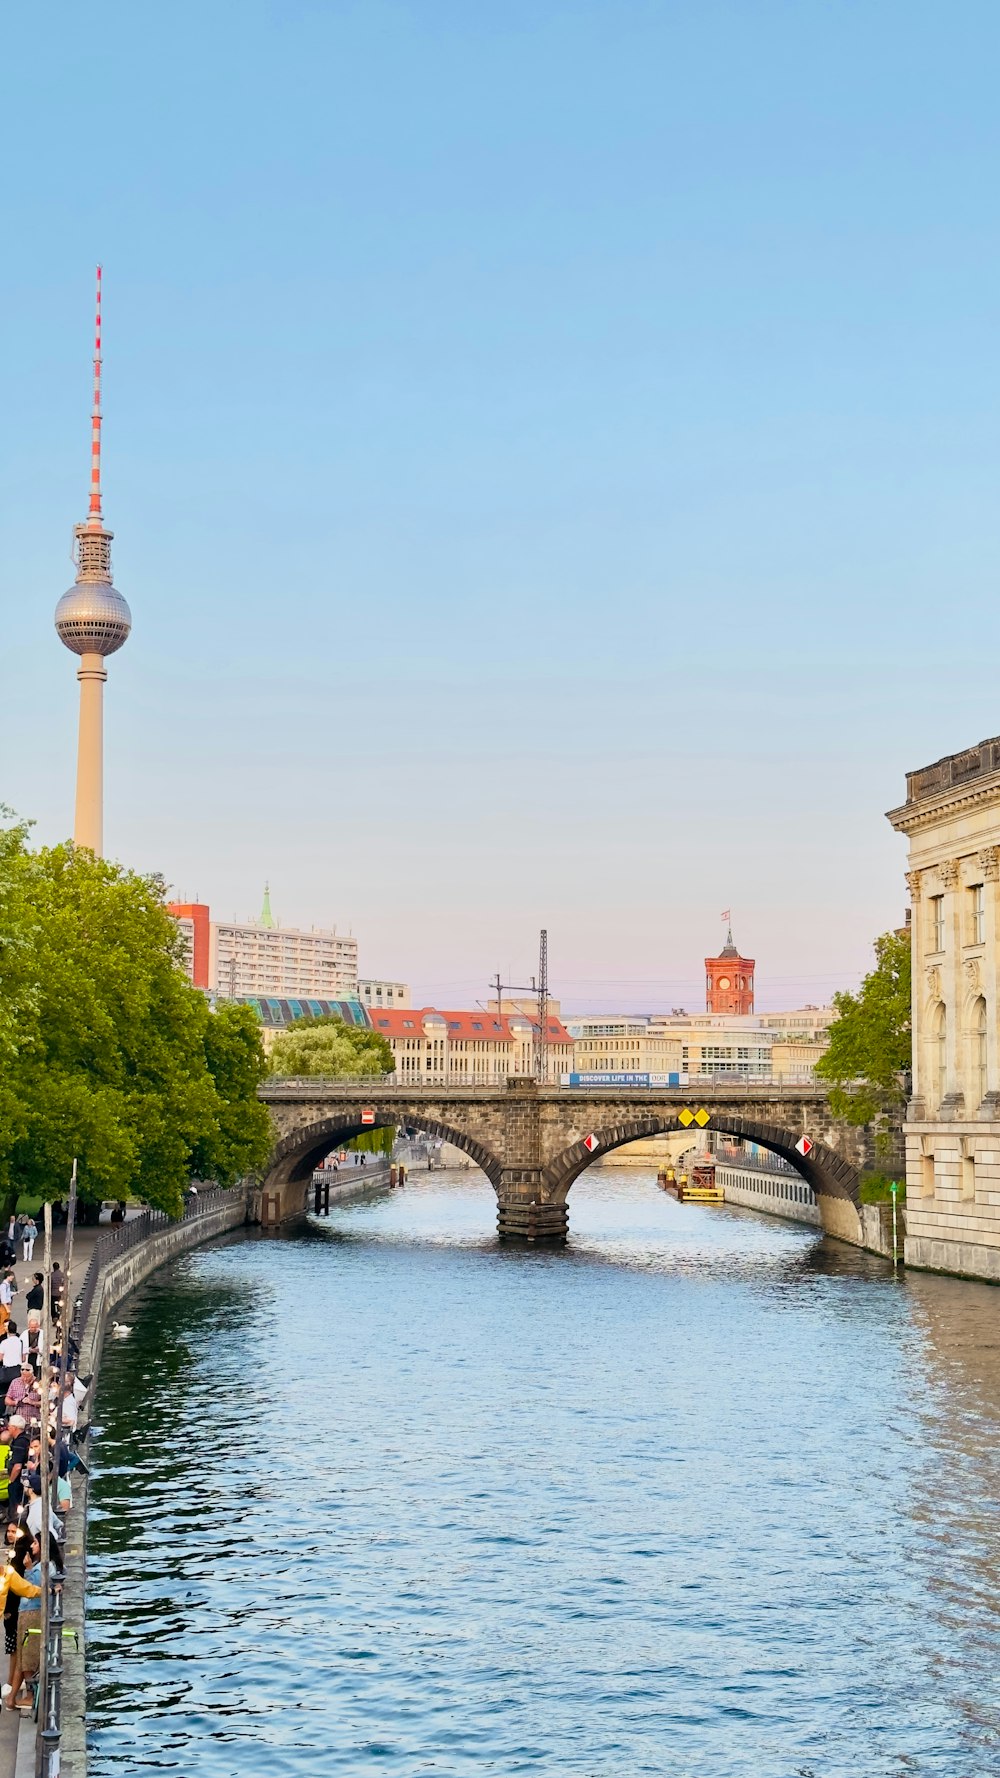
{"points": [[523, 1214], [525, 1207]]}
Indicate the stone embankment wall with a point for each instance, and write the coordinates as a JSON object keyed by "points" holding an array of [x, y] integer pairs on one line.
{"points": [[120, 1276], [876, 1222], [773, 1193]]}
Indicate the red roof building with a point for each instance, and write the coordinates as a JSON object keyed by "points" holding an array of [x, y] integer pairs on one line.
{"points": [[454, 1047]]}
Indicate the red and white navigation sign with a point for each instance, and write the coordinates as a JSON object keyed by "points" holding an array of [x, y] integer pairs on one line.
{"points": [[804, 1146], [368, 1115], [591, 1142]]}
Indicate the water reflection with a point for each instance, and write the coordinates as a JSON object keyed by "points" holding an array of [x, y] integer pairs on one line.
{"points": [[704, 1493]]}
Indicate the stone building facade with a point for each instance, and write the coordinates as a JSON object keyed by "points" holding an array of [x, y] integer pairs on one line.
{"points": [[952, 1129]]}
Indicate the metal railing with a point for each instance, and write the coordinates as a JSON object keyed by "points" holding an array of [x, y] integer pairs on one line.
{"points": [[374, 1086], [131, 1233], [755, 1163]]}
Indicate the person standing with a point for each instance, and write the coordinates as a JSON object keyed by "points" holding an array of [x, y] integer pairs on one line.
{"points": [[35, 1298], [19, 1446], [29, 1619], [22, 1397], [29, 1235], [18, 1546], [12, 1351]]}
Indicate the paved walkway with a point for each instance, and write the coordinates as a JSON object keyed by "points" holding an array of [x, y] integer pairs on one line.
{"points": [[17, 1729]]}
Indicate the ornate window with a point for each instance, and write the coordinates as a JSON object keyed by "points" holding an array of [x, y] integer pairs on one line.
{"points": [[977, 914]]}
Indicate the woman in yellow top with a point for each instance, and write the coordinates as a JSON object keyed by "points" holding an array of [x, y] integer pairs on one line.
{"points": [[12, 1582]]}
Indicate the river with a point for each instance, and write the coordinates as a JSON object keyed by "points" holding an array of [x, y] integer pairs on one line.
{"points": [[702, 1494]]}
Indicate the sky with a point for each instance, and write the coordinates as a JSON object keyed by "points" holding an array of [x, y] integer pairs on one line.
{"points": [[553, 452]]}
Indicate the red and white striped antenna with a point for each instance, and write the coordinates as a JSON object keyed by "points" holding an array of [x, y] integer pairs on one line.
{"points": [[94, 514]]}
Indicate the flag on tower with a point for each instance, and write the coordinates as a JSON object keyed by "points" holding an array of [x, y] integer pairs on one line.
{"points": [[727, 916]]}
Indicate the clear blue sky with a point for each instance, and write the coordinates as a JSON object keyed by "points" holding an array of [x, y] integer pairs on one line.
{"points": [[554, 456]]}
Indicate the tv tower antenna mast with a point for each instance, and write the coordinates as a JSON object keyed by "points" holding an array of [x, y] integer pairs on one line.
{"points": [[541, 1041], [92, 620]]}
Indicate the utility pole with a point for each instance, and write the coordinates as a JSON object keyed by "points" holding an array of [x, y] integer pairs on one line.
{"points": [[512, 988], [541, 1053]]}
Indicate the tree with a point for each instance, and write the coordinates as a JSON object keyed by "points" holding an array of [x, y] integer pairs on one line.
{"points": [[18, 992], [326, 1046], [119, 1061], [237, 1064], [869, 1055]]}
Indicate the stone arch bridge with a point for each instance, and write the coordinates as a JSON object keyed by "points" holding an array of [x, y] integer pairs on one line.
{"points": [[532, 1141]]}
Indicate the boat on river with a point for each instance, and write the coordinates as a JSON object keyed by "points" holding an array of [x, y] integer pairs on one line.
{"points": [[697, 1187]]}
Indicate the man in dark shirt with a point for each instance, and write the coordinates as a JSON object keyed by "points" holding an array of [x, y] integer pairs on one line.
{"points": [[36, 1296], [19, 1446]]}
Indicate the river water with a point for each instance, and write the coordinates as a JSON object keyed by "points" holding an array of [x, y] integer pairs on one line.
{"points": [[702, 1494]]}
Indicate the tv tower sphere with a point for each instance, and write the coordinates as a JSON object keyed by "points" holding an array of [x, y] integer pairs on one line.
{"points": [[93, 618], [93, 621]]}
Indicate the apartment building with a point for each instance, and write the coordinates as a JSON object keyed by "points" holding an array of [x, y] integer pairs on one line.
{"points": [[468, 1047], [375, 993], [625, 1045]]}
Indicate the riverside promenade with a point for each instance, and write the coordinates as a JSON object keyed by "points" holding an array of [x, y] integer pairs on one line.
{"points": [[109, 1261], [18, 1729]]}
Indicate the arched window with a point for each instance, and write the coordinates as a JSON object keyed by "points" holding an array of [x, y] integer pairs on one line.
{"points": [[940, 1029], [979, 1051]]}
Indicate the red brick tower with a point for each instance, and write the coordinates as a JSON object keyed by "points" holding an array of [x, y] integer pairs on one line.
{"points": [[729, 980]]}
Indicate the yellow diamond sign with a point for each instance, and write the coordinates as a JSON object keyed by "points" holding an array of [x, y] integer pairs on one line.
{"points": [[701, 1117], [685, 1117]]}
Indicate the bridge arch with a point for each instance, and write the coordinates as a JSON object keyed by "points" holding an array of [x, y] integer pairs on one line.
{"points": [[296, 1154], [826, 1172]]}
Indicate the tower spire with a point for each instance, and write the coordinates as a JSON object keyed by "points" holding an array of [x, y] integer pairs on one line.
{"points": [[94, 514]]}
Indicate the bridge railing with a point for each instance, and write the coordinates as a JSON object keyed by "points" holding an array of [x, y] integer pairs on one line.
{"points": [[369, 1087]]}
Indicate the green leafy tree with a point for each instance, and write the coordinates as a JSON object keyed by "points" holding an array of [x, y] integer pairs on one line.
{"points": [[380, 1141], [120, 1062], [236, 1063], [869, 1056], [326, 1046], [18, 988]]}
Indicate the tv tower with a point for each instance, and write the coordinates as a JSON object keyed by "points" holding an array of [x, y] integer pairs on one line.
{"points": [[94, 621]]}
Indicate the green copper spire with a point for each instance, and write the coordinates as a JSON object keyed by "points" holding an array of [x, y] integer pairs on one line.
{"points": [[266, 916]]}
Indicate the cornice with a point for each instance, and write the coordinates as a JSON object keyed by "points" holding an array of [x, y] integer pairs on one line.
{"points": [[915, 817]]}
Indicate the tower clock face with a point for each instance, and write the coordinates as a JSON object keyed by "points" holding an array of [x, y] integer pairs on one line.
{"points": [[724, 982]]}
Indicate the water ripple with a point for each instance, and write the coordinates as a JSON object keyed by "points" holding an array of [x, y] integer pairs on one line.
{"points": [[703, 1494]]}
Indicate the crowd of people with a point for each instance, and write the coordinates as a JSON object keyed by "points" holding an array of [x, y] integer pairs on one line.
{"points": [[28, 1484]]}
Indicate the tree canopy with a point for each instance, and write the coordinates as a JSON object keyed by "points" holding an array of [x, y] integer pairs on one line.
{"points": [[326, 1046], [870, 1050], [109, 1054]]}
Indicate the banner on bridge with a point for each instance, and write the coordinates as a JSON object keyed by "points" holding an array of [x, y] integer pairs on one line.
{"points": [[623, 1080]]}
